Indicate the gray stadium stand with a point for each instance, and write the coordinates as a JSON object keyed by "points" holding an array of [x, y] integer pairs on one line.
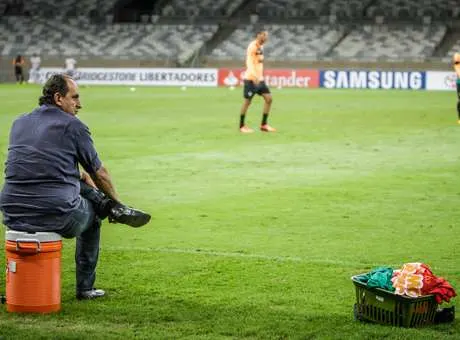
{"points": [[408, 9], [286, 42], [348, 8], [50, 8], [311, 9], [282, 8], [78, 37], [394, 42], [73, 33], [205, 8]]}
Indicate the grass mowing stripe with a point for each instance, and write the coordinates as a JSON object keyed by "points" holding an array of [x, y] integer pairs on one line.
{"points": [[245, 256], [257, 257], [222, 173]]}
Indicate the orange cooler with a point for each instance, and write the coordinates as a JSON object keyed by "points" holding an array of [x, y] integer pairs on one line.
{"points": [[33, 272]]}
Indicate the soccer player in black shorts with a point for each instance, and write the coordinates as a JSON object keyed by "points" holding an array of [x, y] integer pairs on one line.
{"points": [[254, 83]]}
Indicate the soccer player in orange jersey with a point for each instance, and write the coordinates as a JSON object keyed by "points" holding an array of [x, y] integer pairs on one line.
{"points": [[456, 63], [254, 83]]}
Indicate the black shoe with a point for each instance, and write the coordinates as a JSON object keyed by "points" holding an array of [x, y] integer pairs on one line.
{"points": [[90, 294], [122, 214]]}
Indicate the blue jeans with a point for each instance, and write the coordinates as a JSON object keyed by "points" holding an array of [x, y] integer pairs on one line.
{"points": [[85, 225]]}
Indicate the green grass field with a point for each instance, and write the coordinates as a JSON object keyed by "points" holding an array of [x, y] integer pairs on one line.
{"points": [[257, 236]]}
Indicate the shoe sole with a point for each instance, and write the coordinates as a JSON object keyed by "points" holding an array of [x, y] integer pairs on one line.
{"points": [[89, 297], [135, 221], [83, 298]]}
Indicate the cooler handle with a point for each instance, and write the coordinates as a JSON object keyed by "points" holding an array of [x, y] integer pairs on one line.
{"points": [[28, 241]]}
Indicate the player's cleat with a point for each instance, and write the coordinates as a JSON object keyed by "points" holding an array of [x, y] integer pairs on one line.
{"points": [[458, 122], [267, 128], [246, 129]]}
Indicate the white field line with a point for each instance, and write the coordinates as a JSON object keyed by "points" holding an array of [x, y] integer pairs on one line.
{"points": [[240, 255]]}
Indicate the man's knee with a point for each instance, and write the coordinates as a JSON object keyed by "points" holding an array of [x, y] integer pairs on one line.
{"points": [[93, 227], [268, 99]]}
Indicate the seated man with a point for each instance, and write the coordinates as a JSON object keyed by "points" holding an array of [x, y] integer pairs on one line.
{"points": [[44, 189]]}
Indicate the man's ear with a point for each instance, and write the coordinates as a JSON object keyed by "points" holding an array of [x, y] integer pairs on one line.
{"points": [[57, 98]]}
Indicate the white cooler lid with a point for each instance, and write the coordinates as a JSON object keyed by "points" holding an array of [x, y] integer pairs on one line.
{"points": [[13, 235]]}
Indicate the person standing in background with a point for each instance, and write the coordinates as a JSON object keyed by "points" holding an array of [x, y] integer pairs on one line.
{"points": [[34, 73], [70, 67], [18, 64]]}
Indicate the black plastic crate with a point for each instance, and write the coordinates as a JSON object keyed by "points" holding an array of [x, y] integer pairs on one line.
{"points": [[384, 307]]}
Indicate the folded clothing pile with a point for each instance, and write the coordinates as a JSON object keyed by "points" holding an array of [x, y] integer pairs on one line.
{"points": [[413, 279]]}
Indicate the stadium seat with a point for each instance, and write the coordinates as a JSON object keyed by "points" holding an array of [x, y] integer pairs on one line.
{"points": [[374, 11], [403, 13], [309, 13], [427, 11]]}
